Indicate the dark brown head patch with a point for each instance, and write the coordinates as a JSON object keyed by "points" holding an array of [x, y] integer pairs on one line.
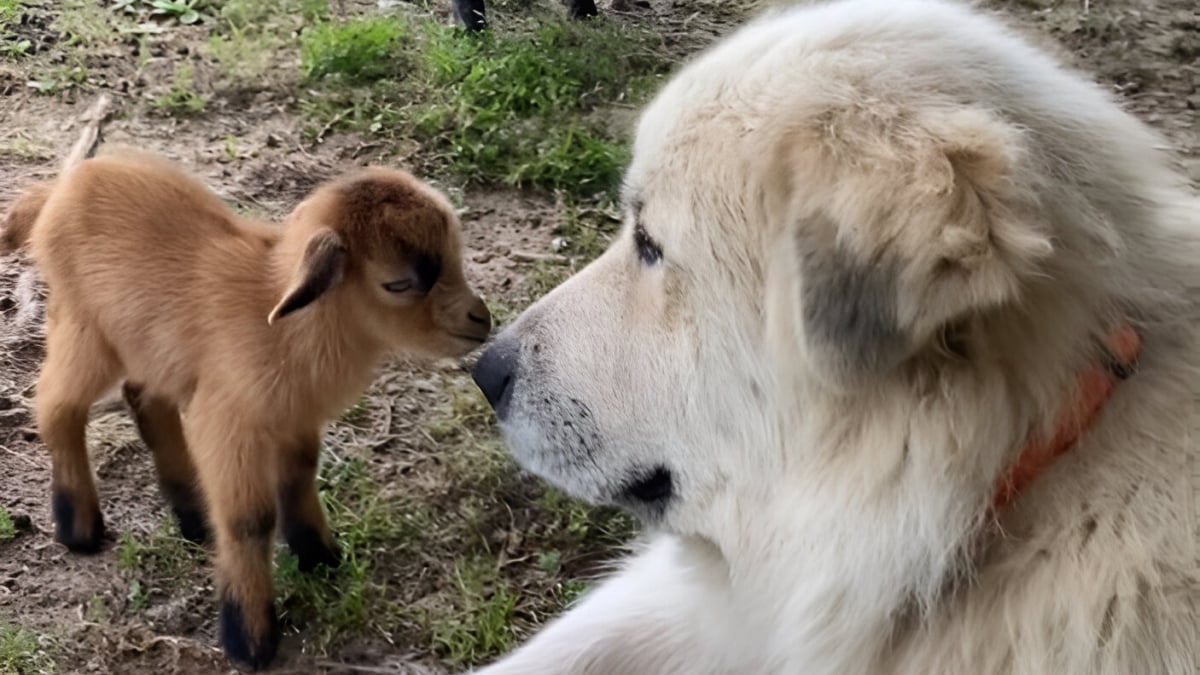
{"points": [[381, 208]]}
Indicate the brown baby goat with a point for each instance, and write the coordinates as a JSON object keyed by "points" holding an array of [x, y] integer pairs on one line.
{"points": [[258, 333]]}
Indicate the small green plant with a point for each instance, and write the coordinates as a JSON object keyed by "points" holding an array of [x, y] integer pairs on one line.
{"points": [[182, 99], [63, 77], [8, 529], [24, 651], [360, 51], [11, 44], [184, 11], [156, 562]]}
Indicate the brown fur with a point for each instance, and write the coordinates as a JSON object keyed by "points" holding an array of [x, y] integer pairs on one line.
{"points": [[260, 333]]}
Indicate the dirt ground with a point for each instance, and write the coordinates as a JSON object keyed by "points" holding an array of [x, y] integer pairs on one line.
{"points": [[1147, 52]]}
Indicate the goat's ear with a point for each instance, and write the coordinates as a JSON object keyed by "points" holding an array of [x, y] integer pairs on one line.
{"points": [[321, 268]]}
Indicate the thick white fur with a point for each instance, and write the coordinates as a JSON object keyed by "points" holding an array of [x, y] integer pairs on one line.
{"points": [[833, 469]]}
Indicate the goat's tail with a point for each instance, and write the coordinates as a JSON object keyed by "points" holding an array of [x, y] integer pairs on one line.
{"points": [[17, 225]]}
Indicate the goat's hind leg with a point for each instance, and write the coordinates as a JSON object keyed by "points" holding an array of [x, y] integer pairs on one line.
{"points": [[304, 526], [79, 367], [161, 430]]}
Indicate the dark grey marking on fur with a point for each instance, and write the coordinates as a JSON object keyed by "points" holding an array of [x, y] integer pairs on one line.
{"points": [[1106, 624], [850, 309], [1089, 528]]}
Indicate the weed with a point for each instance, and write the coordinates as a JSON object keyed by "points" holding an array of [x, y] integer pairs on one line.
{"points": [[182, 99], [8, 529], [24, 651]]}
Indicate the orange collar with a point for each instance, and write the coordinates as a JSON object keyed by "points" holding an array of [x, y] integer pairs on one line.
{"points": [[1095, 386]]}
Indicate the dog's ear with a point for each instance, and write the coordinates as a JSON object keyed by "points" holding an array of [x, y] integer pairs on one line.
{"points": [[321, 268], [926, 226]]}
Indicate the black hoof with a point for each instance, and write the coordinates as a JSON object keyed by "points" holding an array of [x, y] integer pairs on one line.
{"points": [[255, 653], [192, 525], [85, 539], [472, 14], [311, 552], [581, 9]]}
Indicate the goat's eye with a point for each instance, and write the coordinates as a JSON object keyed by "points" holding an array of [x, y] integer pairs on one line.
{"points": [[400, 286], [648, 250]]}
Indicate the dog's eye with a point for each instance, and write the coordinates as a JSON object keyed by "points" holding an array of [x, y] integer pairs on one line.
{"points": [[399, 286], [648, 249]]}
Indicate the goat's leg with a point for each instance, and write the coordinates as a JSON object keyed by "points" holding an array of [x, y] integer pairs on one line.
{"points": [[581, 9], [471, 13], [159, 425], [304, 525], [235, 473], [79, 366]]}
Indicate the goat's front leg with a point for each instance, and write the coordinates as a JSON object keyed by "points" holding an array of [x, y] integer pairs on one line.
{"points": [[236, 470], [658, 616], [472, 13], [304, 526]]}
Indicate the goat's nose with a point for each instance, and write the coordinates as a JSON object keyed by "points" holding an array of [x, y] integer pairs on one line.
{"points": [[480, 317], [496, 372]]}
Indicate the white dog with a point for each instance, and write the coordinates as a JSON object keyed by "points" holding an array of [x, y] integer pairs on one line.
{"points": [[897, 357]]}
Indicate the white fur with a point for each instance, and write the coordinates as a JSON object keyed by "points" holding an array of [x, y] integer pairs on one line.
{"points": [[981, 217]]}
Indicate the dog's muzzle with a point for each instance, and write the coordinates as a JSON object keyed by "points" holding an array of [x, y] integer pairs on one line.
{"points": [[496, 371]]}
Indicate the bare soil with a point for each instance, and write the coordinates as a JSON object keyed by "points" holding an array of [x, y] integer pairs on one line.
{"points": [[1147, 52]]}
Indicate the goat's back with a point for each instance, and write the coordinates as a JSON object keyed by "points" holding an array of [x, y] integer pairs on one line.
{"points": [[140, 250]]}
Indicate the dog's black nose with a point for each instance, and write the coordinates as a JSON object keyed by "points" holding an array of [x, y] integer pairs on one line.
{"points": [[496, 372]]}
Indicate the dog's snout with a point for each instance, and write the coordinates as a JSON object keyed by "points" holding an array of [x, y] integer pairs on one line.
{"points": [[495, 373]]}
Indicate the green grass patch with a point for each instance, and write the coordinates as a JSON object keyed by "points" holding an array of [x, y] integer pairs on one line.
{"points": [[157, 563], [24, 652], [526, 104], [12, 45], [8, 529], [364, 50], [182, 99], [332, 604], [480, 624]]}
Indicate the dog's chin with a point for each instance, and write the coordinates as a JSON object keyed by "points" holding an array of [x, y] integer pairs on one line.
{"points": [[645, 492], [534, 453]]}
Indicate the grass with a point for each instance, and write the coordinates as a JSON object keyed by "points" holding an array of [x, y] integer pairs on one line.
{"points": [[480, 624], [8, 529], [523, 105], [158, 563], [12, 45], [369, 529], [24, 652], [449, 549], [182, 99]]}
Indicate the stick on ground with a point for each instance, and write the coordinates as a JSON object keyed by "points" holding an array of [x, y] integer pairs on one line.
{"points": [[89, 138]]}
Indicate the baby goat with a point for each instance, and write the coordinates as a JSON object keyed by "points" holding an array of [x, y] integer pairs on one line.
{"points": [[258, 333]]}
